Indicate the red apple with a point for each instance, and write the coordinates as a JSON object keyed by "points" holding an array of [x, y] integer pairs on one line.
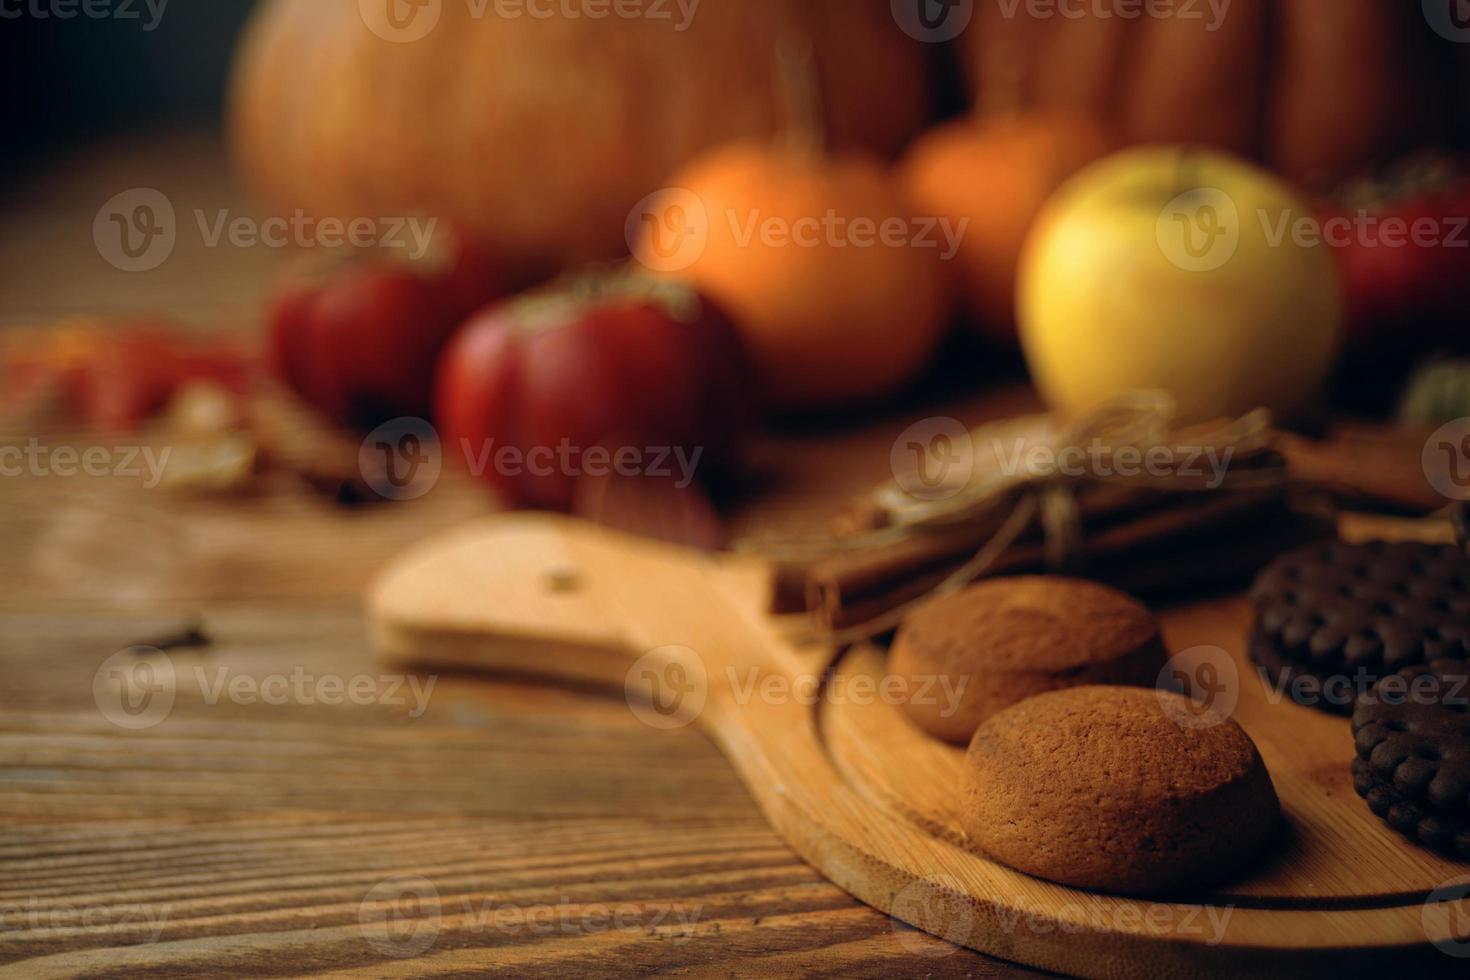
{"points": [[362, 346], [1405, 261], [537, 393]]}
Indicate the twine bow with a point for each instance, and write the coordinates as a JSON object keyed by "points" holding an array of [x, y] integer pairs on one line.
{"points": [[1039, 481]]}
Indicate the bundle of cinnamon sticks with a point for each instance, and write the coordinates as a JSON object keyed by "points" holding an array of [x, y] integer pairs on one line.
{"points": [[1152, 542]]}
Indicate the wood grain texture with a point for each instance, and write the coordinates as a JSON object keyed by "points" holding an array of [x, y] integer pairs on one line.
{"points": [[553, 828], [243, 839]]}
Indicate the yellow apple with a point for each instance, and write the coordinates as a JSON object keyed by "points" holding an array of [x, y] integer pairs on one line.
{"points": [[1182, 269]]}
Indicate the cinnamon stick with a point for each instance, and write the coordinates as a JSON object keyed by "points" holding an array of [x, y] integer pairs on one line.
{"points": [[1195, 539]]}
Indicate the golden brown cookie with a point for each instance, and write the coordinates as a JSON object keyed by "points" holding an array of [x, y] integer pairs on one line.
{"points": [[1102, 788], [967, 656]]}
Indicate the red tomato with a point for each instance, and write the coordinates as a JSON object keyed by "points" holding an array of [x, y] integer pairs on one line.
{"points": [[537, 393], [363, 346]]}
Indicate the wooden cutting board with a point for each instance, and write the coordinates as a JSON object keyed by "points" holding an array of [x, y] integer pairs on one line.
{"points": [[870, 801]]}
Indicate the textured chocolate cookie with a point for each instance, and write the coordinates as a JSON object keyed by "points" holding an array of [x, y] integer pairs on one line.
{"points": [[1098, 787], [967, 656], [1331, 619], [1413, 767]]}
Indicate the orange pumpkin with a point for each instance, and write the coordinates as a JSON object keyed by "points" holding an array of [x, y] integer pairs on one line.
{"points": [[996, 176], [538, 134], [839, 295], [1316, 88]]}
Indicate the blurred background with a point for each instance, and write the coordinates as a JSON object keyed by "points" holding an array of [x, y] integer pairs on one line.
{"points": [[81, 81], [531, 140]]}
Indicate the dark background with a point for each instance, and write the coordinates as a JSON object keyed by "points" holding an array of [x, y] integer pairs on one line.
{"points": [[84, 79]]}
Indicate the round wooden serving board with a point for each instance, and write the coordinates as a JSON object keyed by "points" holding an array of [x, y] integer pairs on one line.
{"points": [[870, 801]]}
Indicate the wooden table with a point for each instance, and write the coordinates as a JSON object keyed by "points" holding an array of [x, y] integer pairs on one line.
{"points": [[299, 809]]}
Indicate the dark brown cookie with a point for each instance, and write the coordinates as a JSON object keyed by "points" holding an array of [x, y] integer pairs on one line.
{"points": [[1331, 619], [1413, 767]]}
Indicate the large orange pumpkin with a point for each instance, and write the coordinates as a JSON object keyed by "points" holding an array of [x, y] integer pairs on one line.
{"points": [[538, 134], [1315, 88]]}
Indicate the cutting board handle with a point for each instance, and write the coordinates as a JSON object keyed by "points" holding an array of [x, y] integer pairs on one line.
{"points": [[553, 597]]}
